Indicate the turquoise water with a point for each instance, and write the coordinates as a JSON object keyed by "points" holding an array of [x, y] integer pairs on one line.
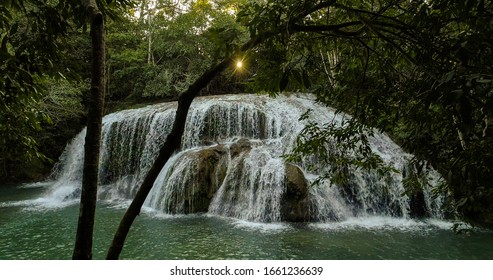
{"points": [[31, 230]]}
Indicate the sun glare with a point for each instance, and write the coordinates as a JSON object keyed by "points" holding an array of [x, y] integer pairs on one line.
{"points": [[239, 64]]}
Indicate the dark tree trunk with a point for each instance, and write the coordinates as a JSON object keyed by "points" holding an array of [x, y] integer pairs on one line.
{"points": [[172, 143], [85, 226]]}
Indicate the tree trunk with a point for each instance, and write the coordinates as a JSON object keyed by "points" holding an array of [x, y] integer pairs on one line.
{"points": [[85, 226], [150, 56], [172, 143]]}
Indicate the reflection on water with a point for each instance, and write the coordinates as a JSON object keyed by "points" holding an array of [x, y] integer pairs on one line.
{"points": [[29, 231]]}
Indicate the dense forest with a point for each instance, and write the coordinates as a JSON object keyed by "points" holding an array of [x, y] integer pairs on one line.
{"points": [[420, 71]]}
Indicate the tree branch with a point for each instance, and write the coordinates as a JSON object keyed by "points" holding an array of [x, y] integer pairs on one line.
{"points": [[335, 28], [172, 143]]}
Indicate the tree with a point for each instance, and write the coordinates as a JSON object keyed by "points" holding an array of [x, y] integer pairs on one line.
{"points": [[85, 226], [30, 33]]}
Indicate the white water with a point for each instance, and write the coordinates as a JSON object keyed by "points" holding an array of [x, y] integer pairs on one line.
{"points": [[247, 186], [252, 189]]}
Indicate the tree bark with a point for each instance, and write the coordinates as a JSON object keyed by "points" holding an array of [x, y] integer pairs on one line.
{"points": [[85, 226]]}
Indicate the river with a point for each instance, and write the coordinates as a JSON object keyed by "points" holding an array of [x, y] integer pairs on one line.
{"points": [[32, 229]]}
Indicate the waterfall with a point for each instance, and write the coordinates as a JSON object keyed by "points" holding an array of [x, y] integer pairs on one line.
{"points": [[231, 164]]}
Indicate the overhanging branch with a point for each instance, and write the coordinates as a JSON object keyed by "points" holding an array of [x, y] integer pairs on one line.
{"points": [[336, 28]]}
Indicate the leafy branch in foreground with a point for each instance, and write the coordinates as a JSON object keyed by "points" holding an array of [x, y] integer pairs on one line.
{"points": [[335, 148]]}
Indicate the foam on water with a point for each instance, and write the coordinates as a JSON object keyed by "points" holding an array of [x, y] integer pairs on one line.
{"points": [[263, 227], [39, 204], [383, 223]]}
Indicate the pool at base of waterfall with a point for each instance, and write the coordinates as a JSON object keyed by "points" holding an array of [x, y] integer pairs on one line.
{"points": [[31, 228]]}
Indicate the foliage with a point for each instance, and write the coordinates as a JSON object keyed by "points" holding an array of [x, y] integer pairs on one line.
{"points": [[26, 54], [341, 145], [34, 50], [418, 70], [457, 96], [161, 52]]}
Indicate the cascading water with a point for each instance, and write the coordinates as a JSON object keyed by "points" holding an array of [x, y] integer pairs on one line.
{"points": [[231, 164]]}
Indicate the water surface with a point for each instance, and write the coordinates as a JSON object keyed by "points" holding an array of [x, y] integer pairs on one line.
{"points": [[31, 228]]}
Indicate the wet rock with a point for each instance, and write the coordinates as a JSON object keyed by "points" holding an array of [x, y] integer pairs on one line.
{"points": [[417, 205], [295, 203], [240, 146], [209, 169]]}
